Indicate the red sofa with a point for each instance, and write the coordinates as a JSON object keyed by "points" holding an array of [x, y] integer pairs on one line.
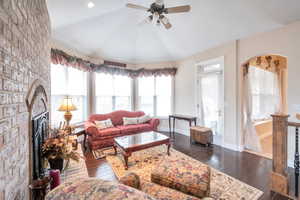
{"points": [[98, 139]]}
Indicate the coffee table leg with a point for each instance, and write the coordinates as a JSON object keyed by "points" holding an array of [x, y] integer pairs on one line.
{"points": [[115, 148], [126, 161], [169, 145], [126, 155]]}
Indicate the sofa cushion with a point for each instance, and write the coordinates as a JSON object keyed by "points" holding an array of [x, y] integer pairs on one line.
{"points": [[128, 129], [108, 132], [92, 188], [144, 127], [179, 174]]}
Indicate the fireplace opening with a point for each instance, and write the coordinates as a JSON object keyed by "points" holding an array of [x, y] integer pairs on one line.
{"points": [[40, 132]]}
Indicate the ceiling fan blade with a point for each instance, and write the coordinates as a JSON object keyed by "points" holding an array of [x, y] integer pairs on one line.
{"points": [[178, 9], [134, 6]]}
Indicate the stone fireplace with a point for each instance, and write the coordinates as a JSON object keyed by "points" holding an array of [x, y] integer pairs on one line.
{"points": [[37, 105], [24, 89]]}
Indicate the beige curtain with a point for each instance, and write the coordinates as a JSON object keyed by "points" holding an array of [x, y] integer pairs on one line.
{"points": [[282, 90], [251, 140]]}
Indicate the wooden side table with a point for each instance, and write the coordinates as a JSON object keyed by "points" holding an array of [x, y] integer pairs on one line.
{"points": [[188, 118]]}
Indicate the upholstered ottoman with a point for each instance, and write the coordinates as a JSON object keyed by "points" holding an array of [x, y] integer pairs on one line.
{"points": [[180, 174], [201, 135], [155, 190], [92, 189]]}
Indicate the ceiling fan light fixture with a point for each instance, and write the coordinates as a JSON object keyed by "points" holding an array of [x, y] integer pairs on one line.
{"points": [[90, 5], [164, 20], [150, 18], [158, 22], [159, 2]]}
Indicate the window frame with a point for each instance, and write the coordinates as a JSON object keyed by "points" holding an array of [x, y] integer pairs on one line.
{"points": [[66, 76], [94, 97], [91, 108], [172, 99]]}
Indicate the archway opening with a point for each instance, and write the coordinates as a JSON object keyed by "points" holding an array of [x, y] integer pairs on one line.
{"points": [[263, 94]]}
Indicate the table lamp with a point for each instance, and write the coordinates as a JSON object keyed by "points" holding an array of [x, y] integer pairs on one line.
{"points": [[67, 106]]}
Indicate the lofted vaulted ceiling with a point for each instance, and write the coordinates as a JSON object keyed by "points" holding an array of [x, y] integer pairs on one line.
{"points": [[112, 31]]}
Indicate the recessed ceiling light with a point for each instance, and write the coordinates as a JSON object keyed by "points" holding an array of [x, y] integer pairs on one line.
{"points": [[91, 4]]}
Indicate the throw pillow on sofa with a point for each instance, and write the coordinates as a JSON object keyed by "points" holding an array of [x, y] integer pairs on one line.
{"points": [[144, 119], [130, 120], [104, 124], [136, 120]]}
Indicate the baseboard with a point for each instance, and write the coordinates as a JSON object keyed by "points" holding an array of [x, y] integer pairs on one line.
{"points": [[186, 132], [183, 131], [232, 147]]}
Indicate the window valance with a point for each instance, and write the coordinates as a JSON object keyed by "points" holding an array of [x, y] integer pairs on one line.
{"points": [[60, 57], [272, 63]]}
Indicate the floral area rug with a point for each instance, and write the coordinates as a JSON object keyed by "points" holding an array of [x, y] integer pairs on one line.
{"points": [[223, 187]]}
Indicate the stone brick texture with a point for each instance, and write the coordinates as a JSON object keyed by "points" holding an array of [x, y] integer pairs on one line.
{"points": [[24, 57]]}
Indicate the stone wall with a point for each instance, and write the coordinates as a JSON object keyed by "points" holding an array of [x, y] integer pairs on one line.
{"points": [[24, 57]]}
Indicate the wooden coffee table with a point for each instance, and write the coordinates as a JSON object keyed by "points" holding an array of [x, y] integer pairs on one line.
{"points": [[131, 143]]}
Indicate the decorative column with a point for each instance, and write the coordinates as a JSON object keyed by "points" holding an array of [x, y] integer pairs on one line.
{"points": [[279, 175]]}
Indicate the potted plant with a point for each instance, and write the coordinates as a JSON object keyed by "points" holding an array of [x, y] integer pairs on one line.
{"points": [[56, 150]]}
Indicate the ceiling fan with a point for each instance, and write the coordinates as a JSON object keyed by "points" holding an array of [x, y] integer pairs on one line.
{"points": [[158, 11]]}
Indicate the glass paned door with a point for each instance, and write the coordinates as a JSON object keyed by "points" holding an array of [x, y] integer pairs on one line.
{"points": [[211, 99]]}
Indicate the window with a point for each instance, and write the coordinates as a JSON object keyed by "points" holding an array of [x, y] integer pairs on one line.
{"points": [[155, 95], [72, 82], [265, 93], [113, 92]]}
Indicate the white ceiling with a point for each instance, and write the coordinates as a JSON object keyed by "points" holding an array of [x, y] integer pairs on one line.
{"points": [[112, 31]]}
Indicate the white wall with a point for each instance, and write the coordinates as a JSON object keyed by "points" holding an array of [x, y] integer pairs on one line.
{"points": [[185, 89]]}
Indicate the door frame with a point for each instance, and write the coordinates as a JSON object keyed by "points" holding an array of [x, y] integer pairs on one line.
{"points": [[219, 60]]}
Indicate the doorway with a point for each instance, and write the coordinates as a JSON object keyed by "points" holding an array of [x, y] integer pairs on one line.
{"points": [[264, 94], [210, 97]]}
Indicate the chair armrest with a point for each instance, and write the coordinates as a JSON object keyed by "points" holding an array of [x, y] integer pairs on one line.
{"points": [[90, 128], [154, 123], [131, 179]]}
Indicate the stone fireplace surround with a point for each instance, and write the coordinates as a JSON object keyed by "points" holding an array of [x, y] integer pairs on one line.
{"points": [[24, 88]]}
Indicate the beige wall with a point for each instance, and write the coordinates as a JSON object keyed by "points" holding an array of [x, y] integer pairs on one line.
{"points": [[286, 42]]}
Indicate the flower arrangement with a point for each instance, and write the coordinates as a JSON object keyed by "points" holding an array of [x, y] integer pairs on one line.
{"points": [[59, 147]]}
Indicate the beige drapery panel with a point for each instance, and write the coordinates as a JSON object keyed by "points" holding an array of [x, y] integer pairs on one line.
{"points": [[251, 139]]}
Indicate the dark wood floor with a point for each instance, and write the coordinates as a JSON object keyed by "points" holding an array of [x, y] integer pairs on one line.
{"points": [[249, 168]]}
